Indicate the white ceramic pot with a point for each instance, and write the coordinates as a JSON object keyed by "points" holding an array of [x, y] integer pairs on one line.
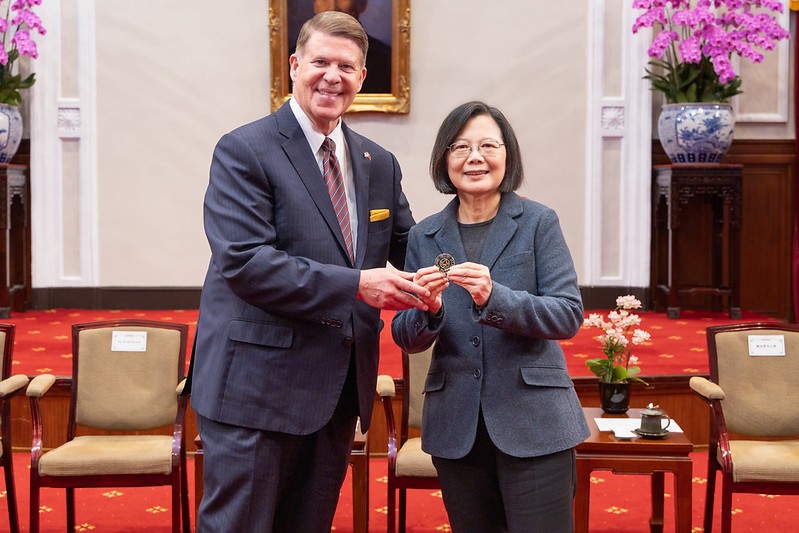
{"points": [[10, 132], [696, 133]]}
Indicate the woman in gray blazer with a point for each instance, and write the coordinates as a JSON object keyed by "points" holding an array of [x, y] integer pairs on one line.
{"points": [[501, 417]]}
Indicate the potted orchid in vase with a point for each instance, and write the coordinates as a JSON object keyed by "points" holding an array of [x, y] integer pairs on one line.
{"points": [[15, 31], [691, 65], [618, 366]]}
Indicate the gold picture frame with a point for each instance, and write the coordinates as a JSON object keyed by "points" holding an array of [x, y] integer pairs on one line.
{"points": [[391, 86]]}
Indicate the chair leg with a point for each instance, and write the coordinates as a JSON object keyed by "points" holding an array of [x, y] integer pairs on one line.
{"points": [[726, 504], [176, 507], [11, 493], [34, 506], [391, 515], [402, 494], [710, 488], [70, 509], [184, 492]]}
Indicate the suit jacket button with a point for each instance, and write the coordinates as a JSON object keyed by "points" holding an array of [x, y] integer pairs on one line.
{"points": [[348, 341], [476, 373], [475, 341]]}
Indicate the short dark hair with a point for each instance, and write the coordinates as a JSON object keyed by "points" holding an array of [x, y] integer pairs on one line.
{"points": [[453, 124], [338, 24]]}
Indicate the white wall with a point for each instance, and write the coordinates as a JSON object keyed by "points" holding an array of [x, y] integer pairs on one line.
{"points": [[119, 203]]}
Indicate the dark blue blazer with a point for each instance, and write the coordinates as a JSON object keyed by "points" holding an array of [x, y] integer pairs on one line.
{"points": [[504, 358], [278, 314]]}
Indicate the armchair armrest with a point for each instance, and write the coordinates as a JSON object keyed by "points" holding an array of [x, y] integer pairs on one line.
{"points": [[386, 391], [12, 384], [36, 389], [385, 386], [706, 388], [40, 385]]}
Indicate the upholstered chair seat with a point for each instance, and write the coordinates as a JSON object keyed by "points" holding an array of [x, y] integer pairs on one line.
{"points": [[105, 455]]}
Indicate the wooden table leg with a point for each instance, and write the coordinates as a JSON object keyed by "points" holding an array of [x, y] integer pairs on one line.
{"points": [[359, 459], [656, 520], [582, 496], [360, 494], [683, 476], [198, 477]]}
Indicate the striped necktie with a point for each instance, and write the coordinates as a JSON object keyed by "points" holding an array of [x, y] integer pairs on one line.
{"points": [[335, 186]]}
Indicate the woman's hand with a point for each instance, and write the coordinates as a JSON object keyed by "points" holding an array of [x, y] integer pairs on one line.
{"points": [[475, 278], [435, 281]]}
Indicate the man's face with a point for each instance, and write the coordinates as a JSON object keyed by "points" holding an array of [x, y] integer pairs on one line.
{"points": [[326, 75]]}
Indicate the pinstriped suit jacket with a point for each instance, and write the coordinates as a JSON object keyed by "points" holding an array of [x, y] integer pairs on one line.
{"points": [[278, 313]]}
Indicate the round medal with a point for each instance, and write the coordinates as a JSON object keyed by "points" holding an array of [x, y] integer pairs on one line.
{"points": [[444, 262]]}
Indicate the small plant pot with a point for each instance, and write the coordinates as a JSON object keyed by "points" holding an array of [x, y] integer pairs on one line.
{"points": [[614, 397]]}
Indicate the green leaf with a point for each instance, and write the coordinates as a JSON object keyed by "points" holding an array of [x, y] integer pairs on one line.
{"points": [[619, 373]]}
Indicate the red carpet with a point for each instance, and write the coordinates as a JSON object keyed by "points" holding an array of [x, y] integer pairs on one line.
{"points": [[619, 504], [43, 341]]}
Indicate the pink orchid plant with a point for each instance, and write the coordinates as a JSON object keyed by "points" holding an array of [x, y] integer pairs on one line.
{"points": [[617, 339], [695, 39], [15, 31]]}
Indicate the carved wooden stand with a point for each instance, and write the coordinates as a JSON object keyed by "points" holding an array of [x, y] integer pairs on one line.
{"points": [[677, 191], [15, 284]]}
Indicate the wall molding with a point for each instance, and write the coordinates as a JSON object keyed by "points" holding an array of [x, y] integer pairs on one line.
{"points": [[116, 298], [64, 227], [618, 130]]}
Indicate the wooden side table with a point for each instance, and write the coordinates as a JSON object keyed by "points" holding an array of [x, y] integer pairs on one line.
{"points": [[676, 191], [603, 451], [15, 284], [359, 460]]}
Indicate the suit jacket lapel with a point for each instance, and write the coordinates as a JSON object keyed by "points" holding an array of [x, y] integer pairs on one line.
{"points": [[304, 163], [502, 229], [449, 236], [361, 170]]}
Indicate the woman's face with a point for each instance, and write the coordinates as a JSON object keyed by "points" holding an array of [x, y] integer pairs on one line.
{"points": [[476, 158]]}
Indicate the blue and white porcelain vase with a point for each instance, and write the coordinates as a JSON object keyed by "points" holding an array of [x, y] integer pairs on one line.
{"points": [[10, 132], [696, 133]]}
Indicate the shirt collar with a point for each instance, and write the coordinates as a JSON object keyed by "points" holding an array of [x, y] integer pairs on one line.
{"points": [[313, 136]]}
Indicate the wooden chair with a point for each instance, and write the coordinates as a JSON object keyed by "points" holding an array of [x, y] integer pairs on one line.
{"points": [[753, 394], [10, 386], [127, 376], [408, 466]]}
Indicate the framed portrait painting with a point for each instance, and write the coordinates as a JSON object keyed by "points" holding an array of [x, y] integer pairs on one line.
{"points": [[387, 24]]}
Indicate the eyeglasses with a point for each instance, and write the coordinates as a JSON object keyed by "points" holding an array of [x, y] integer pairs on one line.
{"points": [[486, 148]]}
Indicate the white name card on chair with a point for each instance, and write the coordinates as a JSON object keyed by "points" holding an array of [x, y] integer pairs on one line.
{"points": [[767, 345], [128, 341]]}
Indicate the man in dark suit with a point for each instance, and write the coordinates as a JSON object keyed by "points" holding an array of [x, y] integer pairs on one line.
{"points": [[288, 334]]}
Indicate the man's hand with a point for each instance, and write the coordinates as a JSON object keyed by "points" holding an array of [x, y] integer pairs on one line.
{"points": [[389, 288]]}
